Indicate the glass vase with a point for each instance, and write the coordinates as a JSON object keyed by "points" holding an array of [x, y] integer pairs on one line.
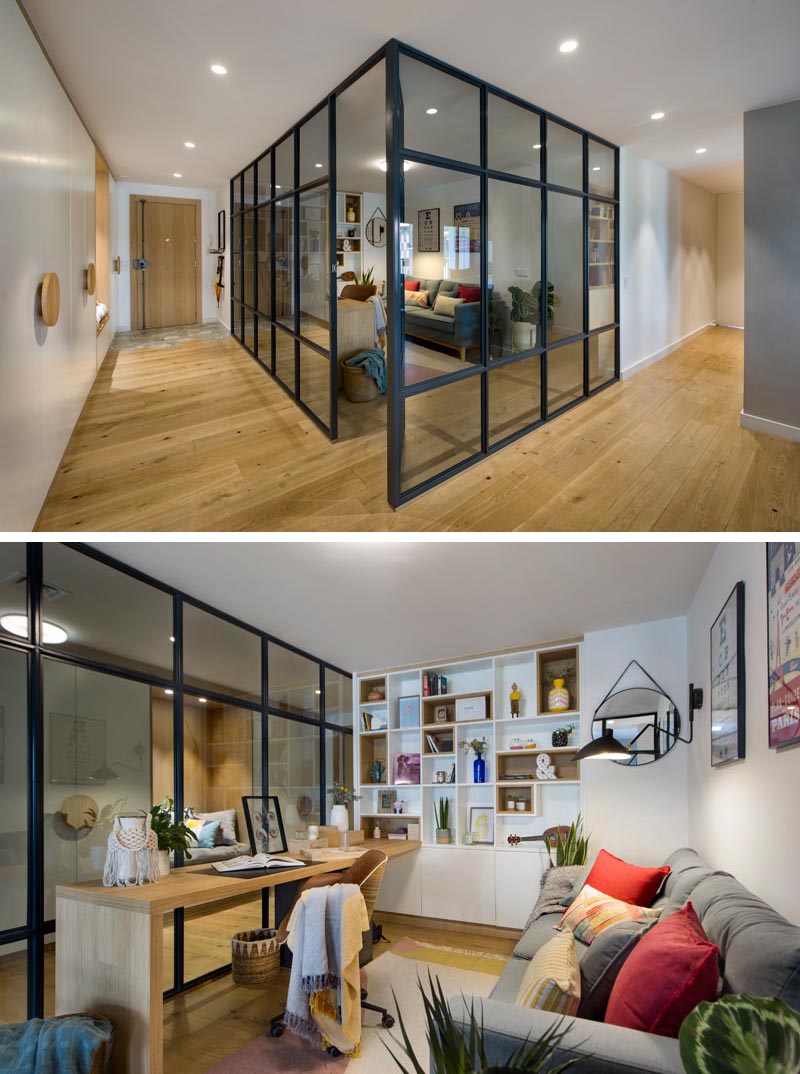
{"points": [[479, 770]]}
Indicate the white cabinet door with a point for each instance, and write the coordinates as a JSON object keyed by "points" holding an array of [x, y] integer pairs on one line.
{"points": [[458, 885], [400, 889], [517, 879]]}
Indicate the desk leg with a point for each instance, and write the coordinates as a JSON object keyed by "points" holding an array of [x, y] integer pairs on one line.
{"points": [[109, 961], [284, 896]]}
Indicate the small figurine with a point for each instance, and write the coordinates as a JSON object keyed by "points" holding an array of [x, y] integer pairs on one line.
{"points": [[399, 807], [378, 768], [514, 697]]}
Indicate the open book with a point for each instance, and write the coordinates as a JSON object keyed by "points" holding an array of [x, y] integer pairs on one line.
{"points": [[258, 861]]}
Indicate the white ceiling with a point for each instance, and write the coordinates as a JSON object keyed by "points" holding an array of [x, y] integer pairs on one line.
{"points": [[139, 72], [364, 605]]}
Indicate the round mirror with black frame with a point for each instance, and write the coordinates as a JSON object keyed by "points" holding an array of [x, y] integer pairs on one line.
{"points": [[642, 719]]}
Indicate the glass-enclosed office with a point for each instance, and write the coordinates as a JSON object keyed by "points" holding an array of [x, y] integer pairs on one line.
{"points": [[487, 226], [117, 691]]}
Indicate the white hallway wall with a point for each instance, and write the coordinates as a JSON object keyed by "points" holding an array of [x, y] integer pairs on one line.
{"points": [[742, 816], [730, 260]]}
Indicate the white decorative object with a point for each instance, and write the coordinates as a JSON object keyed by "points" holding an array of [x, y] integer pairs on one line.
{"points": [[544, 769], [340, 817], [313, 831], [471, 708], [163, 863], [376, 832], [132, 856]]}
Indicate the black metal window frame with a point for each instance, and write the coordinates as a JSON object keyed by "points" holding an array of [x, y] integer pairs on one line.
{"points": [[396, 153], [37, 928]]}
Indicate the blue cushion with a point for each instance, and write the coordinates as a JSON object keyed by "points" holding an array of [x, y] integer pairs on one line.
{"points": [[207, 835]]}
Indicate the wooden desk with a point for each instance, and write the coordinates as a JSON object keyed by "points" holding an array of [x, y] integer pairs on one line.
{"points": [[109, 949]]}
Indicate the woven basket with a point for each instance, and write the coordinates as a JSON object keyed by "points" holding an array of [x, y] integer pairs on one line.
{"points": [[359, 387], [255, 956]]}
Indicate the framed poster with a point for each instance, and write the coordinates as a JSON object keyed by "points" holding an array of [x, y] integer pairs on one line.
{"points": [[406, 768], [728, 681], [428, 231], [77, 748], [481, 824], [264, 824], [783, 642], [408, 711], [467, 219]]}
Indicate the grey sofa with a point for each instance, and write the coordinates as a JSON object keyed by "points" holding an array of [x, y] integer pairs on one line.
{"points": [[760, 952], [459, 333]]}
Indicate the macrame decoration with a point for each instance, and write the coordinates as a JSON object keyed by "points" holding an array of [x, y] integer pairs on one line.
{"points": [[132, 856]]}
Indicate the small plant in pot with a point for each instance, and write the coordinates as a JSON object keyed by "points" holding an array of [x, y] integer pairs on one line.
{"points": [[560, 737], [441, 811], [570, 849], [524, 311], [172, 836]]}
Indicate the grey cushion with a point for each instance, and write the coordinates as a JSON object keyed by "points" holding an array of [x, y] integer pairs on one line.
{"points": [[760, 948], [536, 934], [507, 986], [427, 285], [572, 895], [602, 962], [682, 885], [556, 883]]}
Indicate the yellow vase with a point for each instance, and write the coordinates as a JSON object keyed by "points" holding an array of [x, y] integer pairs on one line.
{"points": [[558, 698]]}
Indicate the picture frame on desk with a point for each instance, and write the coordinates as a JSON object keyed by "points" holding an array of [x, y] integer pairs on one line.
{"points": [[262, 814]]}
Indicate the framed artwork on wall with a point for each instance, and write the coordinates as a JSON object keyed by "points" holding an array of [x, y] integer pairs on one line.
{"points": [[728, 681], [481, 824], [783, 642], [428, 232], [77, 749], [408, 711], [406, 768], [264, 824], [467, 219]]}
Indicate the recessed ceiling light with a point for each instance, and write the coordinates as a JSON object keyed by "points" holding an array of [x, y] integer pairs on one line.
{"points": [[278, 186], [538, 145], [218, 69], [431, 111], [702, 149], [202, 700], [169, 693], [568, 46], [657, 115], [597, 169], [317, 165], [18, 626], [172, 638], [189, 145], [384, 166], [178, 175], [318, 691]]}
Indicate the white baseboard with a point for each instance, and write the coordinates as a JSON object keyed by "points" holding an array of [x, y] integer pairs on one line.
{"points": [[738, 327], [223, 324], [771, 428], [651, 359]]}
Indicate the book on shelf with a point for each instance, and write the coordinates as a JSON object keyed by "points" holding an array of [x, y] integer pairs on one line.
{"points": [[433, 745], [452, 777]]}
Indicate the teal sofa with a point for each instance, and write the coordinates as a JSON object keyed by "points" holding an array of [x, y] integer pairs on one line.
{"points": [[459, 333]]}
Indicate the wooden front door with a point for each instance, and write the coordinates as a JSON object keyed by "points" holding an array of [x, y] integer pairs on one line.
{"points": [[165, 244]]}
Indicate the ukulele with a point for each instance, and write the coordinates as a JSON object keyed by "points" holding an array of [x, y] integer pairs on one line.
{"points": [[513, 840]]}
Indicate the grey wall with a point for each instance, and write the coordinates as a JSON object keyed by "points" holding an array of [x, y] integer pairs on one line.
{"points": [[772, 269]]}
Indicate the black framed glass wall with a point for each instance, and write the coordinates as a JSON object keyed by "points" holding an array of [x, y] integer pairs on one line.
{"points": [[117, 691]]}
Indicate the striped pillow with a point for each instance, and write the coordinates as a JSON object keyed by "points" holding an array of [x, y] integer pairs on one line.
{"points": [[446, 305], [552, 982], [593, 912], [417, 298]]}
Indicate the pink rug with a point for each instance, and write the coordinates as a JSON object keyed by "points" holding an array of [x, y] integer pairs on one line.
{"points": [[283, 1055]]}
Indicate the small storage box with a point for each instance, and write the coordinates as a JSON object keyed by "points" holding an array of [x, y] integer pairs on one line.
{"points": [[471, 708]]}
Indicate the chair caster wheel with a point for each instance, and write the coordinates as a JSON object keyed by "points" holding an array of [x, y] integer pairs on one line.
{"points": [[334, 1053], [387, 1021], [276, 1030]]}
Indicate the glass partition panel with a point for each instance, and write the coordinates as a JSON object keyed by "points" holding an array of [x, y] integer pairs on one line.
{"points": [[264, 177], [249, 186], [293, 681], [107, 615], [294, 772], [237, 193], [14, 977], [14, 726], [515, 224], [442, 428], [250, 330], [236, 258], [601, 169], [97, 748], [515, 397], [565, 265], [314, 267], [284, 358], [338, 766], [14, 591], [514, 139], [564, 375], [248, 258], [284, 262], [264, 261], [564, 156], [441, 113], [315, 382], [219, 655], [441, 262], [338, 698], [602, 358], [602, 288], [238, 322], [264, 341], [284, 166], [314, 148]]}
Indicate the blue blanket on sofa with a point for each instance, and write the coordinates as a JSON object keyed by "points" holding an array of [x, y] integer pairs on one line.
{"points": [[374, 363], [53, 1045]]}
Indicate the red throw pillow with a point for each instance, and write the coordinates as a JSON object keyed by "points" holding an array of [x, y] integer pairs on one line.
{"points": [[672, 968], [630, 883], [411, 285], [469, 294]]}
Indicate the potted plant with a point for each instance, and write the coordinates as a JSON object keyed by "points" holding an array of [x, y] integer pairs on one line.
{"points": [[478, 747], [572, 849], [171, 835], [741, 1034], [524, 317], [553, 302], [441, 811], [342, 796]]}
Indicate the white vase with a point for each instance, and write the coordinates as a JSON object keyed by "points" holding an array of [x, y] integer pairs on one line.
{"points": [[163, 863], [523, 335], [340, 818]]}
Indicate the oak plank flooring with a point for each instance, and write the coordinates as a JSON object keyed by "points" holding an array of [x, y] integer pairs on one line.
{"points": [[196, 437]]}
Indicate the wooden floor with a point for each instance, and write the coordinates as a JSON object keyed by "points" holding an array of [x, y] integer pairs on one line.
{"points": [[197, 437]]}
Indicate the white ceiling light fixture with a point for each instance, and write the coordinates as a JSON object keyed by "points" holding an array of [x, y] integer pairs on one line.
{"points": [[701, 150], [178, 175], [568, 46], [318, 165], [218, 69], [190, 145], [202, 700], [538, 145], [658, 115], [18, 626], [169, 693], [172, 638], [596, 168], [431, 111], [385, 167]]}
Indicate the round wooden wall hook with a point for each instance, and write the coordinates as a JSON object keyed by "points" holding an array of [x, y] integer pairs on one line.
{"points": [[90, 278], [50, 299]]}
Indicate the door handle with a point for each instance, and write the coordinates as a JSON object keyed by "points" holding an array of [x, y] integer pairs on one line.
{"points": [[140, 263]]}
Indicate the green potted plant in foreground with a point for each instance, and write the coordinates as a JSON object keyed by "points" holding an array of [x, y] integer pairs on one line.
{"points": [[171, 835], [441, 811], [741, 1035], [456, 1049]]}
